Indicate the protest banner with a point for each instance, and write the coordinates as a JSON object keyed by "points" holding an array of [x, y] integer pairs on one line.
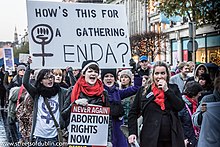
{"points": [[88, 126], [8, 59], [210, 129], [66, 34]]}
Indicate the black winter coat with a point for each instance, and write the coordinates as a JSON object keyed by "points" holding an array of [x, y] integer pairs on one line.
{"points": [[152, 117], [66, 111], [187, 124]]}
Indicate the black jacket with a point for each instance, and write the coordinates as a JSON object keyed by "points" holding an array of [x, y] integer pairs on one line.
{"points": [[152, 117], [66, 111], [187, 125]]}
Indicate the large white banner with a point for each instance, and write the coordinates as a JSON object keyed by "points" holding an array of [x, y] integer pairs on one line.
{"points": [[89, 126], [66, 34]]}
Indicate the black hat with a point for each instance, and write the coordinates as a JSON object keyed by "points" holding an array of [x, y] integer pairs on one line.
{"points": [[87, 63], [106, 71]]}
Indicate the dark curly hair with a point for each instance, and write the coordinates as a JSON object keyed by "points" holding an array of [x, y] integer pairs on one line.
{"points": [[192, 88]]}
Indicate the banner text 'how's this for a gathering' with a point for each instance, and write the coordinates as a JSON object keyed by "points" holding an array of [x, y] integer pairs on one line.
{"points": [[66, 34]]}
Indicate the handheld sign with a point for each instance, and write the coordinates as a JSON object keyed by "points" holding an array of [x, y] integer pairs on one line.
{"points": [[88, 126], [23, 58], [66, 34], [8, 59]]}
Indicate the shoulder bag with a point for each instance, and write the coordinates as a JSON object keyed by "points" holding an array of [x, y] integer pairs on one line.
{"points": [[59, 131]]}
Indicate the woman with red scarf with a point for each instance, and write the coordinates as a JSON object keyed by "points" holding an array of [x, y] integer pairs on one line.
{"points": [[88, 89], [159, 104], [191, 94]]}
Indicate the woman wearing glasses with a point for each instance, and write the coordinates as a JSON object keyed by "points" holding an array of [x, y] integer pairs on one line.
{"points": [[43, 129]]}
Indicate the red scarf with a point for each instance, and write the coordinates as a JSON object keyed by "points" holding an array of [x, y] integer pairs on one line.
{"points": [[82, 86], [159, 96], [193, 102]]}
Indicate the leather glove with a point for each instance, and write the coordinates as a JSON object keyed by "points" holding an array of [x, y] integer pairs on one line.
{"points": [[133, 64]]}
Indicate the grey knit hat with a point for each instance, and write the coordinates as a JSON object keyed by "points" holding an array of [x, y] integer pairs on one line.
{"points": [[126, 72], [20, 67]]}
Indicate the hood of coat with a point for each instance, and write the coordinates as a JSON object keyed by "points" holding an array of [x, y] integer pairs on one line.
{"points": [[196, 71]]}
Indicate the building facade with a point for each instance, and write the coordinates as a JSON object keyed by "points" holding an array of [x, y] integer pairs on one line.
{"points": [[143, 17]]}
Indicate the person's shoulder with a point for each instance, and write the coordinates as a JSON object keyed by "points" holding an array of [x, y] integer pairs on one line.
{"points": [[209, 98], [173, 86], [63, 89], [174, 77]]}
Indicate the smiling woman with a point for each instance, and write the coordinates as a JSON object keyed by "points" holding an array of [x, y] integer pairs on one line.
{"points": [[87, 90]]}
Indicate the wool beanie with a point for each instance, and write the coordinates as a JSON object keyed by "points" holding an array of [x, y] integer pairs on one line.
{"points": [[126, 72], [20, 67], [87, 63], [106, 71]]}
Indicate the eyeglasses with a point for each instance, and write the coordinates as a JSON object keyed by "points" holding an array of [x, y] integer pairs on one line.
{"points": [[48, 77]]}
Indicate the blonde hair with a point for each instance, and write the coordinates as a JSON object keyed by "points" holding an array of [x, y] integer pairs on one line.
{"points": [[58, 72]]}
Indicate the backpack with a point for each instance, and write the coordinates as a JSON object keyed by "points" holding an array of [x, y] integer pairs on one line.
{"points": [[24, 113], [16, 94]]}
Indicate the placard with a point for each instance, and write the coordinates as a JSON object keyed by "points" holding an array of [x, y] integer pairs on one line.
{"points": [[66, 34], [8, 59], [89, 126]]}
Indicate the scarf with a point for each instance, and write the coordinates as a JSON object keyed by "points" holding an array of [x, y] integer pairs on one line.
{"points": [[48, 92], [193, 102], [159, 96], [82, 86]]}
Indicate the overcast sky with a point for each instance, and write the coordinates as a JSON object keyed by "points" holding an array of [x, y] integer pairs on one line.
{"points": [[13, 14]]}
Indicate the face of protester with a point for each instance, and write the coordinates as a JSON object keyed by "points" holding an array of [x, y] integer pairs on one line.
{"points": [[144, 64], [159, 75], [125, 80], [21, 72], [185, 70], [191, 67], [201, 70], [48, 80], [76, 72], [91, 76], [57, 77], [109, 80], [202, 82], [144, 81]]}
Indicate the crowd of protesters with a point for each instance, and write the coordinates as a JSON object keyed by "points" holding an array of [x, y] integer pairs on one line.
{"points": [[170, 101]]}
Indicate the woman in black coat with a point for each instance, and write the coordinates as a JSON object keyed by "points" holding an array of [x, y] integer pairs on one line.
{"points": [[161, 124], [190, 96]]}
